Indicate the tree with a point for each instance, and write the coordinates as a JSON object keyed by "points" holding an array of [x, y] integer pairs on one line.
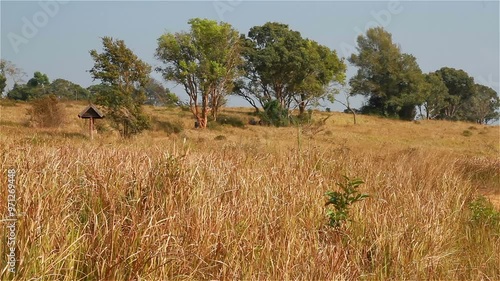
{"points": [[39, 80], [482, 107], [10, 71], [433, 96], [461, 88], [319, 67], [281, 65], [3, 83], [34, 89], [272, 54], [123, 78], [390, 79], [68, 90], [158, 95], [346, 104], [205, 61]]}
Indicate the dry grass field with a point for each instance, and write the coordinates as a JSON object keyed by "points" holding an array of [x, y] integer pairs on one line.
{"points": [[248, 203]]}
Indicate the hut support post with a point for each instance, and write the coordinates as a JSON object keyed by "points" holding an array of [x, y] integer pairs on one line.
{"points": [[91, 128]]}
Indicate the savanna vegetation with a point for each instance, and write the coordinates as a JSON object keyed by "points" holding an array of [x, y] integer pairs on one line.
{"points": [[317, 196], [249, 202]]}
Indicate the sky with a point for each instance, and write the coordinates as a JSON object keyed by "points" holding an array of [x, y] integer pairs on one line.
{"points": [[55, 37]]}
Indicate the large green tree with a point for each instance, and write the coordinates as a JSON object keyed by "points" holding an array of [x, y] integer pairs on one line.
{"points": [[482, 107], [39, 80], [123, 77], [433, 96], [272, 54], [319, 67], [461, 88], [389, 78], [68, 90], [205, 60], [281, 65]]}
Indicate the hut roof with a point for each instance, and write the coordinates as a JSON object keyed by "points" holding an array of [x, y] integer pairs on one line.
{"points": [[91, 112]]}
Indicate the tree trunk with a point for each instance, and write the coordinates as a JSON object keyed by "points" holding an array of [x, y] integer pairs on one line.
{"points": [[354, 116], [202, 122], [302, 108]]}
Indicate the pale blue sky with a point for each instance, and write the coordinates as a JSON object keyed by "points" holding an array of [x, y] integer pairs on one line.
{"points": [[457, 34]]}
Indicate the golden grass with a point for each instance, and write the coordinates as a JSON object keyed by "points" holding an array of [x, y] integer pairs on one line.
{"points": [[250, 206]]}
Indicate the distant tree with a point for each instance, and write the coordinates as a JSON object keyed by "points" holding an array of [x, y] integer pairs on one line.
{"points": [[433, 97], [68, 90], [158, 95], [346, 104], [461, 88], [19, 92], [93, 90], [123, 78], [3, 83], [319, 68], [281, 65], [390, 79], [272, 54], [34, 89], [482, 107], [39, 80], [10, 71], [205, 61]]}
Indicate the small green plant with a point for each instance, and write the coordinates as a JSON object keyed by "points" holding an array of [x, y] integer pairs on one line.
{"points": [[343, 200], [484, 213], [275, 114]]}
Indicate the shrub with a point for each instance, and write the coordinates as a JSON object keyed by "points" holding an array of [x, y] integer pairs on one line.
{"points": [[484, 213], [46, 112], [274, 114], [466, 133], [168, 127], [230, 120], [343, 200]]}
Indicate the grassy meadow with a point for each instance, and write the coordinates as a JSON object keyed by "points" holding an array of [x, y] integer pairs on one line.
{"points": [[229, 203]]}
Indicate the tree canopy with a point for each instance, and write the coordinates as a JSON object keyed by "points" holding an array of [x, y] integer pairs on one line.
{"points": [[274, 68], [205, 60], [3, 83], [67, 90], [36, 87], [123, 77], [389, 78], [281, 65], [158, 95]]}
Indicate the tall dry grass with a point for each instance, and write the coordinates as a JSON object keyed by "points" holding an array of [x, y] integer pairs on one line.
{"points": [[249, 207]]}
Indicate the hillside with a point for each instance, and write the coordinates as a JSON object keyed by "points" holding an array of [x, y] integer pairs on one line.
{"points": [[248, 203]]}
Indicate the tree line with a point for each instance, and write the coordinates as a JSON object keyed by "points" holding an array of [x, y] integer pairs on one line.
{"points": [[275, 69]]}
